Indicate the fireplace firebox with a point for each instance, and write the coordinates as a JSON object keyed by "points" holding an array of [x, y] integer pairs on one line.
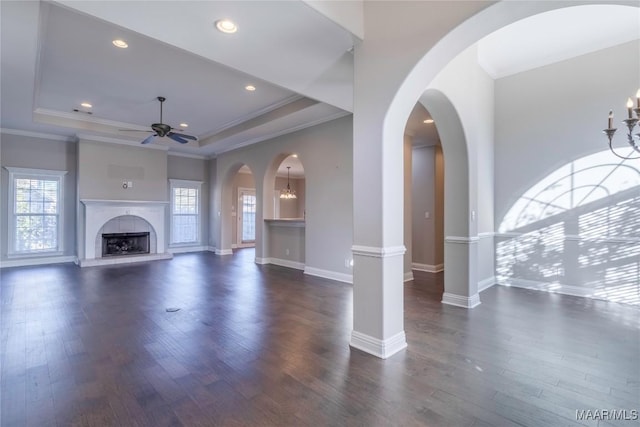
{"points": [[120, 244]]}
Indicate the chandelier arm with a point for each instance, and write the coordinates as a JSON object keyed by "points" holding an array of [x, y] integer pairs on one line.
{"points": [[622, 157]]}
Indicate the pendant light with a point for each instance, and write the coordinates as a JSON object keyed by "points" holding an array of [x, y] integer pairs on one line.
{"points": [[288, 193]]}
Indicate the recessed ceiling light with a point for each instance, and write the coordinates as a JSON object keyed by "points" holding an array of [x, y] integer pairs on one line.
{"points": [[184, 125], [250, 88], [226, 26], [428, 121], [294, 155], [86, 105], [120, 43]]}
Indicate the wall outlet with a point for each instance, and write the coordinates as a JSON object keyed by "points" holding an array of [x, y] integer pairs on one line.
{"points": [[427, 215], [287, 251], [130, 184]]}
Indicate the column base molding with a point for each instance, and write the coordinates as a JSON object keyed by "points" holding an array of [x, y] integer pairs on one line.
{"points": [[379, 348], [461, 301]]}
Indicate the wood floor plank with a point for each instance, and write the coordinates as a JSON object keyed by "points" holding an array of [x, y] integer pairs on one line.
{"points": [[269, 346]]}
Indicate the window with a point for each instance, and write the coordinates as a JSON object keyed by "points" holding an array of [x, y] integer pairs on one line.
{"points": [[248, 203], [35, 220], [577, 231], [578, 183], [185, 212]]}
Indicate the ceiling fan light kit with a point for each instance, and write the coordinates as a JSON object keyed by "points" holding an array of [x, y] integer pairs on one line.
{"points": [[162, 129]]}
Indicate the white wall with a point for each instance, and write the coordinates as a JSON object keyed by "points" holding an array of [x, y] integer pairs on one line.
{"points": [[40, 153], [554, 114], [471, 90], [545, 119], [192, 169], [427, 182], [102, 168], [213, 207], [408, 203], [326, 153]]}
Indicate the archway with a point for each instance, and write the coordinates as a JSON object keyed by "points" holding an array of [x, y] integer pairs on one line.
{"points": [[283, 207], [431, 36], [238, 209], [460, 251], [424, 202]]}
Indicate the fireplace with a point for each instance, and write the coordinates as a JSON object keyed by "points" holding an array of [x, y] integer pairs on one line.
{"points": [[129, 217], [120, 244]]}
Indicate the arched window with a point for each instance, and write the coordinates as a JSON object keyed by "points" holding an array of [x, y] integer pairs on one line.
{"points": [[575, 184], [576, 231]]}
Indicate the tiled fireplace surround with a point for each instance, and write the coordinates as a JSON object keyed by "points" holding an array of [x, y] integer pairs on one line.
{"points": [[122, 216]]}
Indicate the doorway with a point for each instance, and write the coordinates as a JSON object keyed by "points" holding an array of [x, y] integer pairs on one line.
{"points": [[246, 217]]}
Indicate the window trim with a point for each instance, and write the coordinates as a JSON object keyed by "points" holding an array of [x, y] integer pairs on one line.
{"points": [[184, 183], [29, 173]]}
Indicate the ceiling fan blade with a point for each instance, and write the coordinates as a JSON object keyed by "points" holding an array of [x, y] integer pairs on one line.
{"points": [[134, 130], [177, 137], [182, 135], [149, 139]]}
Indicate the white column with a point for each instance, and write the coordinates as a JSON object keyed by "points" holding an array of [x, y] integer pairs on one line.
{"points": [[378, 250], [460, 281]]}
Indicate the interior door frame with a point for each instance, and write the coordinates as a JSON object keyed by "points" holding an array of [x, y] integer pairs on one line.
{"points": [[239, 215]]}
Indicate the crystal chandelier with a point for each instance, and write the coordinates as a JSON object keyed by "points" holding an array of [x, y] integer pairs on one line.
{"points": [[288, 193], [631, 123]]}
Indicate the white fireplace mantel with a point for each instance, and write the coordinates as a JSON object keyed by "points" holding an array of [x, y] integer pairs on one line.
{"points": [[98, 212]]}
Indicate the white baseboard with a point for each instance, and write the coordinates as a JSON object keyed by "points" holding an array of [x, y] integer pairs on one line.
{"points": [[408, 276], [211, 249], [185, 249], [26, 262], [223, 251], [380, 348], [285, 263], [559, 288], [123, 259], [461, 301], [234, 246], [327, 274], [243, 245], [427, 267], [486, 283]]}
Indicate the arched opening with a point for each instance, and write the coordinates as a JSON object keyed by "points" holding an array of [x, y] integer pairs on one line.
{"points": [[283, 241], [424, 202], [459, 250], [238, 213], [244, 209], [289, 189], [379, 119]]}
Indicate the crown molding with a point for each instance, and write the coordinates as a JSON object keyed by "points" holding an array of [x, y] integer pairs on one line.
{"points": [[96, 138], [251, 116], [285, 131], [187, 155], [40, 135], [87, 119]]}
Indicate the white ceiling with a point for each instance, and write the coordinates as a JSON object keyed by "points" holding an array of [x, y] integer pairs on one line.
{"points": [[556, 36], [55, 55], [296, 58]]}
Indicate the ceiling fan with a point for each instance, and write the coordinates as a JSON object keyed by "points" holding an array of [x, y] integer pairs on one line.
{"points": [[162, 129]]}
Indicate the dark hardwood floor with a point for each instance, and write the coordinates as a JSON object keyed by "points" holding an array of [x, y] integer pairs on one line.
{"points": [[263, 345]]}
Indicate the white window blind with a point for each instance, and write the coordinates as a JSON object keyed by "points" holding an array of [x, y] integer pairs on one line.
{"points": [[36, 211]]}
